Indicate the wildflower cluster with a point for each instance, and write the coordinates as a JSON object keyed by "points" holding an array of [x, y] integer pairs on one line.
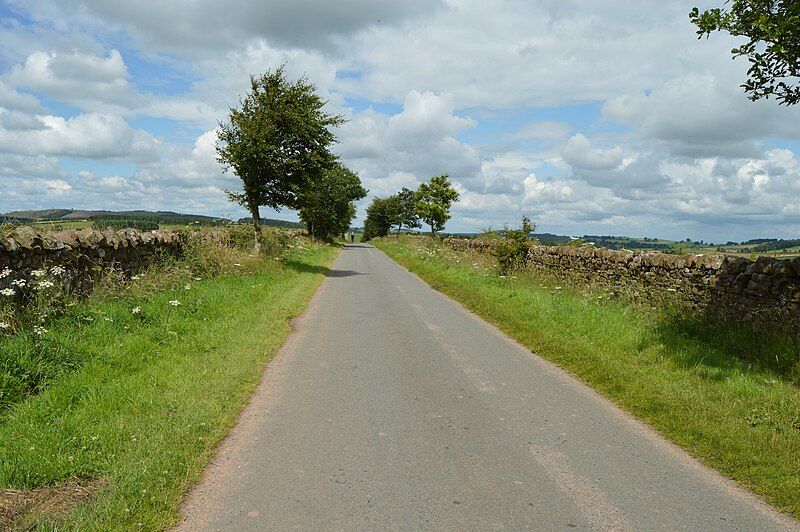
{"points": [[29, 301]]}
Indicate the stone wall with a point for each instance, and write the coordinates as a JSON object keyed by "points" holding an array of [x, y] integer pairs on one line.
{"points": [[764, 292], [82, 254]]}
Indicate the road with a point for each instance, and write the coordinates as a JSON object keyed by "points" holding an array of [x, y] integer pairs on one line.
{"points": [[392, 407]]}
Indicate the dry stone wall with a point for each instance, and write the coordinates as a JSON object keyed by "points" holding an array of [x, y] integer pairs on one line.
{"points": [[83, 254], [764, 292]]}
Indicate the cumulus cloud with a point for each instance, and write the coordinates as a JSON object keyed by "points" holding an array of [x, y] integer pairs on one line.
{"points": [[579, 153], [698, 115], [83, 79], [92, 135], [14, 100], [420, 141], [537, 190]]}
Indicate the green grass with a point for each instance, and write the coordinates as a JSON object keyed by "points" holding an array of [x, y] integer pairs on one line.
{"points": [[146, 410], [739, 416], [60, 225]]}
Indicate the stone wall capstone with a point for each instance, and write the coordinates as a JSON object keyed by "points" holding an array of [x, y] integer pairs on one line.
{"points": [[83, 254], [763, 292]]}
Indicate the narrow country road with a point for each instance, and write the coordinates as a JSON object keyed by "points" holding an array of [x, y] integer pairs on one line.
{"points": [[392, 407]]}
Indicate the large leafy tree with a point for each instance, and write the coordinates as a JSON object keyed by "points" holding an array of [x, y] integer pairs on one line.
{"points": [[404, 208], [276, 141], [772, 28], [380, 218], [326, 205], [433, 201]]}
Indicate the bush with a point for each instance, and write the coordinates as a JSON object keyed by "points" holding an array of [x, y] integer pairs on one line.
{"points": [[511, 251]]}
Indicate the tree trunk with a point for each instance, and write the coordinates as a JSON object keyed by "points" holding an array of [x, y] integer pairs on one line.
{"points": [[256, 228]]}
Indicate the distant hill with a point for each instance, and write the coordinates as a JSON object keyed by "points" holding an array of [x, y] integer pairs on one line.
{"points": [[137, 218], [72, 214]]}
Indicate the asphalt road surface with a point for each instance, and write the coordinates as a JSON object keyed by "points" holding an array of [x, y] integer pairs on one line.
{"points": [[392, 407]]}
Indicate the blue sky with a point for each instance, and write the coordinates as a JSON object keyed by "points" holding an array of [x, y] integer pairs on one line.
{"points": [[591, 119]]}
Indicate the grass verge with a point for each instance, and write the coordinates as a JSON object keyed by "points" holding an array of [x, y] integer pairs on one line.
{"points": [[737, 416], [163, 386]]}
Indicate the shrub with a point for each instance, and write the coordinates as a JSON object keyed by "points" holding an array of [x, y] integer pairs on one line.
{"points": [[511, 251]]}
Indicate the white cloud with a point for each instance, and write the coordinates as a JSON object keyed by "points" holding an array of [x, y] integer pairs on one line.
{"points": [[537, 190], [698, 115], [418, 141], [580, 154], [12, 99], [83, 79], [93, 135]]}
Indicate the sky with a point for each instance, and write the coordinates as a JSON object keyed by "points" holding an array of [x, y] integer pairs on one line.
{"points": [[601, 117]]}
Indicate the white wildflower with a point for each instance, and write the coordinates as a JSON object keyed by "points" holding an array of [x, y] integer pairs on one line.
{"points": [[5, 273], [108, 318], [44, 285], [137, 310], [187, 287], [174, 302], [197, 278], [57, 270], [8, 292], [4, 325], [39, 330], [38, 273], [19, 282]]}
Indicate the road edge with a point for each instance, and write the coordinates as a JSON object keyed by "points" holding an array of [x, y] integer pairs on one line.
{"points": [[195, 509]]}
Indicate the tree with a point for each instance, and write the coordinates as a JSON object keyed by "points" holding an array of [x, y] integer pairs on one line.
{"points": [[326, 204], [433, 200], [276, 142], [773, 49], [405, 209], [380, 218]]}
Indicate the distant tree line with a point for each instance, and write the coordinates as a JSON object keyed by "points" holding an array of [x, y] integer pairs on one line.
{"points": [[271, 222], [775, 245], [430, 203], [122, 222]]}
